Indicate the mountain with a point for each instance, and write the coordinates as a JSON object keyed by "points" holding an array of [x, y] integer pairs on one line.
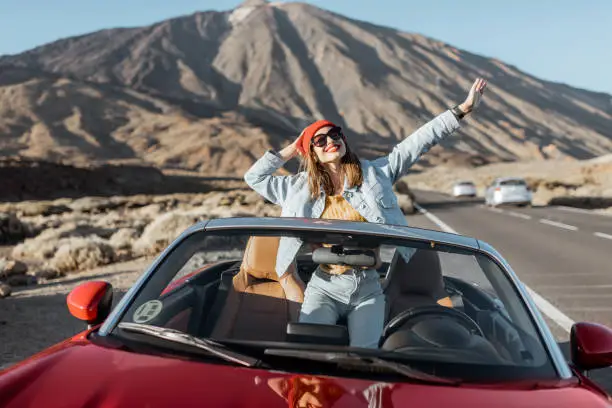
{"points": [[55, 118], [211, 91]]}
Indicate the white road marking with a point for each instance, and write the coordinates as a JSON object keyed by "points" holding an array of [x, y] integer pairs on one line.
{"points": [[497, 210], [563, 275], [584, 296], [520, 215], [435, 219], [512, 213], [558, 224], [576, 287], [544, 305], [591, 309], [551, 311], [602, 235]]}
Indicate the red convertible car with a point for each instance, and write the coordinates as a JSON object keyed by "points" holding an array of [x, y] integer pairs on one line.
{"points": [[209, 325]]}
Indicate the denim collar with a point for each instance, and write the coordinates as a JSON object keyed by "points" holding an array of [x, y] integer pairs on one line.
{"points": [[345, 188]]}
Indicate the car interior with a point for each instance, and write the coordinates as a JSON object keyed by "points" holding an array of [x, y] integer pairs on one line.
{"points": [[244, 301]]}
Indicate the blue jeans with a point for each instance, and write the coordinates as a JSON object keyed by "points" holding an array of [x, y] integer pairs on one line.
{"points": [[355, 294]]}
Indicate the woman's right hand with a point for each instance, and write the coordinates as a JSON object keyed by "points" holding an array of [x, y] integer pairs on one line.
{"points": [[294, 287], [474, 96], [292, 284], [292, 150]]}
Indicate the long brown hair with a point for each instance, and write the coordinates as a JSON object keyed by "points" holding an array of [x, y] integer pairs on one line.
{"points": [[320, 178]]}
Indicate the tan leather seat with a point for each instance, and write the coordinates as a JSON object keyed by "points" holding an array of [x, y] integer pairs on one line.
{"points": [[256, 307], [416, 283]]}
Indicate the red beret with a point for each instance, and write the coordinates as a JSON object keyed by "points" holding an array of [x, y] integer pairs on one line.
{"points": [[303, 144]]}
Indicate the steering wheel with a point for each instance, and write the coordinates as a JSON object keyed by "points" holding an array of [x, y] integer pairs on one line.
{"points": [[413, 315]]}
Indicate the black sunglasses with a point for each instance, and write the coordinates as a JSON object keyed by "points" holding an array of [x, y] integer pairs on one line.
{"points": [[321, 140]]}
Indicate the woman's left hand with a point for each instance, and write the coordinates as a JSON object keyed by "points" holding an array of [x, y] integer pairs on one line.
{"points": [[473, 98]]}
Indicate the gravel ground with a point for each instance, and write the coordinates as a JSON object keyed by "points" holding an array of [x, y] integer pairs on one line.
{"points": [[36, 317]]}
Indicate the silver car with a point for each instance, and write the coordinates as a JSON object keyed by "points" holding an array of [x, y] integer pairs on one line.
{"points": [[508, 190], [464, 189]]}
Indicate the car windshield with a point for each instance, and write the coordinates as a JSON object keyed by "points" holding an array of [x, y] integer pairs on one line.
{"points": [[513, 182], [221, 285], [465, 183]]}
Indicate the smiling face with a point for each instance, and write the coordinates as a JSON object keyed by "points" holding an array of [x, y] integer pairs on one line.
{"points": [[329, 145]]}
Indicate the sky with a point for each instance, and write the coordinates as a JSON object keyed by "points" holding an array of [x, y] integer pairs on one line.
{"points": [[559, 40]]}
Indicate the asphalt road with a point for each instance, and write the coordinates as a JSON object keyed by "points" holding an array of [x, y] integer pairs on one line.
{"points": [[563, 254]]}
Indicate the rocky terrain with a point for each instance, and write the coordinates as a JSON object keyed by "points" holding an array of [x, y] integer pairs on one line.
{"points": [[50, 239], [211, 91], [45, 240]]}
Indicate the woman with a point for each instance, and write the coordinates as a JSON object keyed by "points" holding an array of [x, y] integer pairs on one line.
{"points": [[307, 391], [337, 184], [320, 392]]}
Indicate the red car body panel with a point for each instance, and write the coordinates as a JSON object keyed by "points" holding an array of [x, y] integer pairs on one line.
{"points": [[77, 373], [181, 281]]}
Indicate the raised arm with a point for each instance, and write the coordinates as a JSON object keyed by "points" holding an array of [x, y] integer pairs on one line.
{"points": [[260, 176], [403, 156]]}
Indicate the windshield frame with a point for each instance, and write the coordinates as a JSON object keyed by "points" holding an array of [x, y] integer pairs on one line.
{"points": [[410, 234], [551, 345]]}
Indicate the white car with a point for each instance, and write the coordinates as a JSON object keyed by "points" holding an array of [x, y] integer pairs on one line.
{"points": [[508, 190], [464, 189]]}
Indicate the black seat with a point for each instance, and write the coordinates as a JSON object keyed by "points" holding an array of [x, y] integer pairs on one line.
{"points": [[420, 283], [416, 283]]}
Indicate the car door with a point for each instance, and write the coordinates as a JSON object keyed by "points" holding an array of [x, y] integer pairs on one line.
{"points": [[488, 192], [492, 188]]}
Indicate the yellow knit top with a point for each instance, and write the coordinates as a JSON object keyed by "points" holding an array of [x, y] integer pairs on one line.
{"points": [[337, 208]]}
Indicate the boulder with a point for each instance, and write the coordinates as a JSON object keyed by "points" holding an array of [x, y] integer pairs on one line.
{"points": [[11, 268], [48, 273], [405, 197], [82, 253], [44, 246], [94, 204], [12, 230], [5, 290], [401, 187], [44, 208], [148, 212], [406, 204], [111, 221], [21, 280], [162, 231], [124, 238]]}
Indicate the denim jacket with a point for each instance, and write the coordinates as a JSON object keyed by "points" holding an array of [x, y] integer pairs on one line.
{"points": [[374, 199]]}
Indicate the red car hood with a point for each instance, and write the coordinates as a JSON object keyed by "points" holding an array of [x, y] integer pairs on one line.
{"points": [[80, 374]]}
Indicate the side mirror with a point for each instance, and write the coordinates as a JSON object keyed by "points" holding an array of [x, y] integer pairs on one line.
{"points": [[91, 302], [591, 345]]}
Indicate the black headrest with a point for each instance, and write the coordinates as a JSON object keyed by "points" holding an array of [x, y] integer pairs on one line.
{"points": [[421, 275]]}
